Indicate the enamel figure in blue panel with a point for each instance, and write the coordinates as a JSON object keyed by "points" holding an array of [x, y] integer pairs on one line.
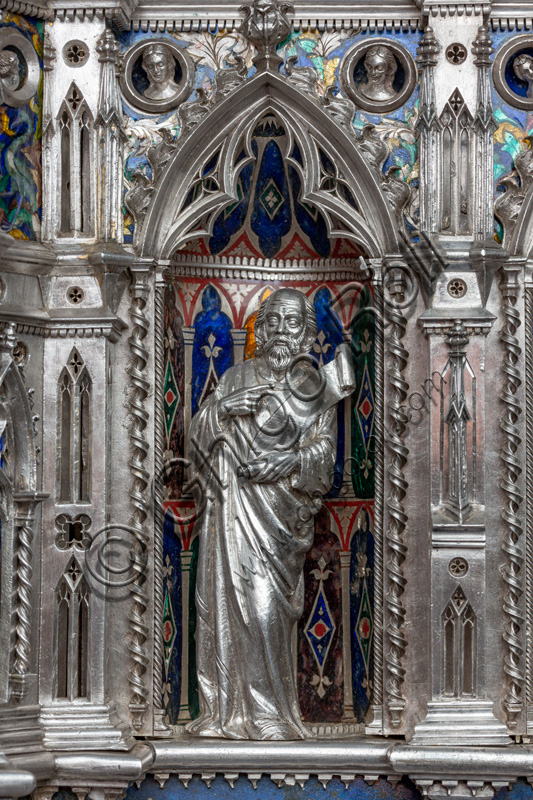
{"points": [[212, 352]]}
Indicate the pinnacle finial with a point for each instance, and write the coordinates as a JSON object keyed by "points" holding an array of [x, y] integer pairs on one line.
{"points": [[266, 24]]}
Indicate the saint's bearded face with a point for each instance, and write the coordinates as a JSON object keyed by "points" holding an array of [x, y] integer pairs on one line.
{"points": [[284, 331]]}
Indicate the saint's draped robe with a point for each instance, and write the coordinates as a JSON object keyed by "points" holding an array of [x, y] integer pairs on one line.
{"points": [[253, 541]]}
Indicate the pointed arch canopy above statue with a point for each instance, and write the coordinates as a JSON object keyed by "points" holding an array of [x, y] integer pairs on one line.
{"points": [[200, 175]]}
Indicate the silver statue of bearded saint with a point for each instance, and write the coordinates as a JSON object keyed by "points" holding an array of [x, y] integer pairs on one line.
{"points": [[263, 449]]}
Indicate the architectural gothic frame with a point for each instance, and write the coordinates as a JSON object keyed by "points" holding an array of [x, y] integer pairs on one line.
{"points": [[457, 305]]}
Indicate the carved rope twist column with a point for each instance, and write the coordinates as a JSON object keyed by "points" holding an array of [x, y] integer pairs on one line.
{"points": [[512, 571], [378, 502], [140, 387], [25, 505], [23, 596], [158, 499], [529, 492], [398, 453]]}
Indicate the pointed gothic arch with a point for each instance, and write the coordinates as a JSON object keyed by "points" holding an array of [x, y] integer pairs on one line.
{"points": [[172, 219]]}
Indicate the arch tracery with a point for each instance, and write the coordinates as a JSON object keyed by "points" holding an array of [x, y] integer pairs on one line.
{"points": [[208, 162]]}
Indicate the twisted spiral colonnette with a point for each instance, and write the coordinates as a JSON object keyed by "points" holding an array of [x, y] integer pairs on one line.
{"points": [[512, 572], [139, 447], [398, 517], [23, 607], [158, 496], [378, 502], [529, 492]]}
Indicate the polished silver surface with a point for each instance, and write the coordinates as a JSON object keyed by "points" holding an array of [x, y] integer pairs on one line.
{"points": [[262, 450], [82, 371]]}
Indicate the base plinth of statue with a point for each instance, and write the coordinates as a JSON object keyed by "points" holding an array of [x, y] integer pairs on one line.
{"points": [[460, 722]]}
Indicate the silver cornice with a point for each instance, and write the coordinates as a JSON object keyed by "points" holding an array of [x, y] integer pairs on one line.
{"points": [[258, 269], [513, 15], [286, 762], [166, 15], [62, 327], [118, 11], [161, 15], [39, 10]]}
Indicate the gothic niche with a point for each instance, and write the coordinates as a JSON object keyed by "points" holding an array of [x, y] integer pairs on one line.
{"points": [[72, 628], [457, 161], [76, 157], [459, 632], [274, 238], [458, 493], [74, 403]]}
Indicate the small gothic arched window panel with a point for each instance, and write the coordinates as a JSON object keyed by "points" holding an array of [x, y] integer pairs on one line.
{"points": [[65, 125], [65, 436], [83, 449], [72, 601], [74, 431], [76, 163], [85, 127], [456, 122], [459, 634], [63, 604]]}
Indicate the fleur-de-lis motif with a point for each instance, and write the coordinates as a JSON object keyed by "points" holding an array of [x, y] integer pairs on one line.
{"points": [[168, 569], [321, 573], [321, 348], [321, 681], [170, 339], [209, 349]]}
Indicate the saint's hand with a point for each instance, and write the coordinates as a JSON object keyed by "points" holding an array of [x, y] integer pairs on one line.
{"points": [[242, 402], [271, 467]]}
